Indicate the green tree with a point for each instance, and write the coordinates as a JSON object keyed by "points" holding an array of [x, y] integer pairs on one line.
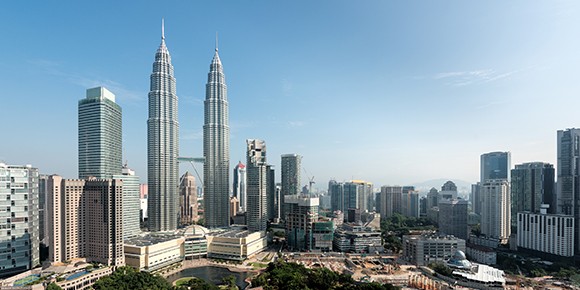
{"points": [[53, 286], [128, 278], [230, 282]]}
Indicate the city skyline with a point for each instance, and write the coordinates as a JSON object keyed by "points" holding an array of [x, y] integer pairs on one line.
{"points": [[437, 77]]}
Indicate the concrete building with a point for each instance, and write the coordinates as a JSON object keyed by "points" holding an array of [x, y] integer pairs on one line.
{"points": [[410, 202], [432, 198], [302, 213], [187, 199], [257, 214], [131, 202], [86, 220], [216, 147], [453, 217], [234, 207], [481, 254], [546, 234], [356, 238], [195, 245], [475, 198], [235, 244], [424, 249], [42, 212], [448, 191], [336, 192], [532, 185], [100, 135], [162, 144], [496, 210], [290, 174], [495, 165], [270, 192], [240, 185], [322, 235], [568, 171], [19, 221], [154, 252], [389, 201]]}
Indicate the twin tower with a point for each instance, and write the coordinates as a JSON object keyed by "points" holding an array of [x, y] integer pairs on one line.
{"points": [[163, 145]]}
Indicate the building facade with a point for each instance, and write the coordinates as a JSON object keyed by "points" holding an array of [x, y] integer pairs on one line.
{"points": [[424, 249], [100, 135], [496, 210], [240, 185], [216, 147], [568, 171], [162, 144], [302, 213], [257, 214], [546, 233], [495, 165], [532, 185], [453, 218], [19, 221], [131, 202], [290, 174], [187, 199]]}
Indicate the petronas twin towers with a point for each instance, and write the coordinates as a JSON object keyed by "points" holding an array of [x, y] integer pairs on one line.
{"points": [[163, 146]]}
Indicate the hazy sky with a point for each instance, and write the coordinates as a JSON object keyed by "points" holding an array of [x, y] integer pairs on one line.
{"points": [[393, 92]]}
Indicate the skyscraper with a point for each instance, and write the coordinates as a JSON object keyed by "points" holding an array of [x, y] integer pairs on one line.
{"points": [[495, 165], [453, 217], [290, 174], [257, 213], [131, 203], [19, 239], [162, 144], [240, 185], [569, 178], [216, 147], [271, 191], [100, 135], [188, 199], [495, 210], [532, 185]]}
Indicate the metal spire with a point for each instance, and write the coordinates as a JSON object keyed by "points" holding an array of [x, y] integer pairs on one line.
{"points": [[216, 41], [162, 28]]}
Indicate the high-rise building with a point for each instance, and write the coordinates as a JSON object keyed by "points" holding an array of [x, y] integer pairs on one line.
{"points": [[162, 144], [302, 213], [290, 174], [240, 185], [495, 210], [19, 236], [216, 147], [257, 214], [453, 218], [131, 203], [542, 233], [42, 212], [86, 220], [475, 198], [100, 135], [495, 165], [532, 185], [568, 201], [432, 198], [410, 203], [390, 201], [187, 199], [448, 191], [278, 200], [271, 191], [336, 192]]}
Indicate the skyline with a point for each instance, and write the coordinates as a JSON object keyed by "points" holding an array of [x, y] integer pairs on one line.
{"points": [[432, 86]]}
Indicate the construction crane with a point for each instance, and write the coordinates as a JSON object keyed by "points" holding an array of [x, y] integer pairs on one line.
{"points": [[192, 161], [310, 181]]}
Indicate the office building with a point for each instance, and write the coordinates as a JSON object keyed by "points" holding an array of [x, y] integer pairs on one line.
{"points": [[19, 221], [42, 212], [336, 192], [448, 191], [235, 244], [234, 207], [154, 253], [475, 198], [423, 249], [495, 165], [546, 235], [162, 144], [100, 135], [356, 238], [410, 202], [216, 147], [389, 201], [496, 210], [131, 203], [302, 213], [187, 199], [271, 191], [568, 172], [85, 217], [290, 174], [257, 214], [278, 202], [532, 185], [240, 185], [453, 218]]}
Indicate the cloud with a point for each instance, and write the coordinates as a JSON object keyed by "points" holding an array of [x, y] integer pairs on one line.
{"points": [[121, 92], [464, 78]]}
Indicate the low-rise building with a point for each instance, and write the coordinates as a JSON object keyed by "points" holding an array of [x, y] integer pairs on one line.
{"points": [[153, 252], [235, 244], [323, 235], [424, 249], [356, 238], [195, 245], [548, 234], [481, 254]]}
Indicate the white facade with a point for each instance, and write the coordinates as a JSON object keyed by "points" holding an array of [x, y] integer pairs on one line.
{"points": [[257, 213], [423, 249], [548, 233], [131, 202], [496, 209]]}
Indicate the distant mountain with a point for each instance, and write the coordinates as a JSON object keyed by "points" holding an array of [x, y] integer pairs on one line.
{"points": [[463, 187]]}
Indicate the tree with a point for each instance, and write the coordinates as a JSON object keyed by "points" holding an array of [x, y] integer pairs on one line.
{"points": [[230, 282], [53, 286], [128, 278]]}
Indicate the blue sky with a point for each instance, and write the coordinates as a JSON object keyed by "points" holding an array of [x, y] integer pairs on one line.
{"points": [[389, 92]]}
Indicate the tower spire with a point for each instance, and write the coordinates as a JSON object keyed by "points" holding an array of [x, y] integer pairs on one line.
{"points": [[162, 28], [216, 41]]}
